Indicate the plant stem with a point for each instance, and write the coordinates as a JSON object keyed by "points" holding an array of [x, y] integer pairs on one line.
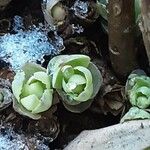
{"points": [[145, 25], [121, 36]]}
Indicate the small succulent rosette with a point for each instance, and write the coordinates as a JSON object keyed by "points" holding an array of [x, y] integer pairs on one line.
{"points": [[138, 93], [55, 13], [76, 79], [6, 96], [32, 90]]}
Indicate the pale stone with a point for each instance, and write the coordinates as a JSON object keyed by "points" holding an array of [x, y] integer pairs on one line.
{"points": [[132, 135]]}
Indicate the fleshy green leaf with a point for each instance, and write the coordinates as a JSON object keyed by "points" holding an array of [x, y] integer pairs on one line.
{"points": [[42, 77], [78, 108], [72, 88], [46, 101], [75, 84], [97, 78], [144, 91], [35, 88], [78, 60], [17, 84], [131, 79], [30, 102], [67, 71], [143, 102], [73, 60], [88, 90], [22, 111], [133, 97], [77, 79], [143, 81], [30, 68], [57, 79], [66, 98], [134, 114], [74, 106], [65, 88]]}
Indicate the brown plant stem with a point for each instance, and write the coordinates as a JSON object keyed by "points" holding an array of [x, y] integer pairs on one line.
{"points": [[121, 36], [145, 25]]}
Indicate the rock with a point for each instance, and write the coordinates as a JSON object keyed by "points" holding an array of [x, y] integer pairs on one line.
{"points": [[127, 136]]}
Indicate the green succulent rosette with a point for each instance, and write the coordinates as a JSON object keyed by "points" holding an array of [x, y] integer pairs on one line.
{"points": [[76, 79], [137, 90], [32, 90]]}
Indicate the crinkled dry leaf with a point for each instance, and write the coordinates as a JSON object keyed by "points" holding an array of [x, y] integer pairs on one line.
{"points": [[6, 96], [5, 73], [85, 12], [111, 97], [47, 125], [80, 45], [113, 101]]}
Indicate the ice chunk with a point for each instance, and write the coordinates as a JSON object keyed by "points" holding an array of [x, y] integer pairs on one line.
{"points": [[77, 28], [18, 24], [27, 46], [80, 7]]}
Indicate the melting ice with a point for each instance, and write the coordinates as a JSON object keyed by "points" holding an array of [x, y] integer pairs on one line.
{"points": [[80, 7], [27, 46]]}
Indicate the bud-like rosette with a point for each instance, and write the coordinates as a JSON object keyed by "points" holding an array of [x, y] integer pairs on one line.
{"points": [[55, 13], [76, 79], [137, 91], [32, 90]]}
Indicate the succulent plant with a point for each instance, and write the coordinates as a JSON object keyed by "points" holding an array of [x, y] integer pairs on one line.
{"points": [[55, 13], [76, 79], [32, 90], [137, 90], [6, 96]]}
